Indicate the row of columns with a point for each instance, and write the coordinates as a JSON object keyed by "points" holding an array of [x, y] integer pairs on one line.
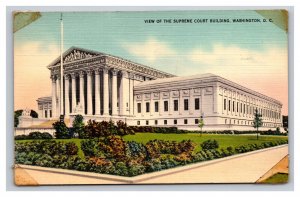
{"points": [[126, 88]]}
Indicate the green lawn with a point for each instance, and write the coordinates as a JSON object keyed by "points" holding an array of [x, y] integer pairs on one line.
{"points": [[224, 140], [277, 178]]}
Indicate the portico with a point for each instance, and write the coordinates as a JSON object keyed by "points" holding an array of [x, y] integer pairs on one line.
{"points": [[97, 84]]}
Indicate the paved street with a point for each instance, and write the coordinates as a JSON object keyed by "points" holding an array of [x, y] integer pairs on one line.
{"points": [[237, 169]]}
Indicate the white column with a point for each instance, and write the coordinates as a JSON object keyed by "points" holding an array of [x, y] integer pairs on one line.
{"points": [[105, 92], [152, 105], [180, 102], [171, 103], [53, 95], [215, 95], [114, 92], [74, 103], [160, 104], [143, 105], [48, 111], [58, 97], [191, 102], [97, 92], [89, 93], [81, 89], [67, 98], [124, 94], [131, 83]]}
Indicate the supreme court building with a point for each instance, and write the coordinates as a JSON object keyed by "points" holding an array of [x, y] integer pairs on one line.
{"points": [[105, 87]]}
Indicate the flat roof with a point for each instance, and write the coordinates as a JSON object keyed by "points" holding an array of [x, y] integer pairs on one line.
{"points": [[213, 77]]}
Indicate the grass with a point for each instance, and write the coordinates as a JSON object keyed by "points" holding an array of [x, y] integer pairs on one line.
{"points": [[277, 178], [224, 140]]}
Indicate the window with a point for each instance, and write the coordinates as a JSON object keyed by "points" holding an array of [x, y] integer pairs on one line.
{"points": [[138, 122], [156, 106], [241, 108], [147, 122], [237, 106], [139, 108], [50, 113], [197, 104], [196, 121], [46, 115], [147, 107], [229, 105], [186, 104], [155, 122], [165, 122], [224, 104], [225, 121], [244, 108], [175, 105], [185, 121], [175, 121], [166, 105], [233, 104]]}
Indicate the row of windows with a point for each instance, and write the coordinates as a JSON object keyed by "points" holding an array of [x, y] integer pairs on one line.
{"points": [[246, 109], [238, 122], [185, 121], [166, 105]]}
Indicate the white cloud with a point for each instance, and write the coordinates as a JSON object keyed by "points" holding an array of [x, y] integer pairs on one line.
{"points": [[151, 50]]}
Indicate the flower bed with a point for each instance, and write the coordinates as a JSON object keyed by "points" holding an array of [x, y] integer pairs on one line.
{"points": [[113, 155]]}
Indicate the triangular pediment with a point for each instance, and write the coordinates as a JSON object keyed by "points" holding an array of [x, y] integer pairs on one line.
{"points": [[75, 54]]}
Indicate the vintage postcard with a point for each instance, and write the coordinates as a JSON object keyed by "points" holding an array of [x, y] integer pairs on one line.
{"points": [[156, 97]]}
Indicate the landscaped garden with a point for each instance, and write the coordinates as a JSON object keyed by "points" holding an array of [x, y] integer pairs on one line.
{"points": [[115, 148]]}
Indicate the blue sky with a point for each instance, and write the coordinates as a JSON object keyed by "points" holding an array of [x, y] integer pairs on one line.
{"points": [[242, 52]]}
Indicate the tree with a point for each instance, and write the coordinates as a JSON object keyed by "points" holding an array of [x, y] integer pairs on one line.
{"points": [[78, 125], [19, 112], [257, 122], [201, 124], [61, 130]]}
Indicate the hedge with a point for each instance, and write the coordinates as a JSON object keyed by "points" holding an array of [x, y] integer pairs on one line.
{"points": [[34, 136]]}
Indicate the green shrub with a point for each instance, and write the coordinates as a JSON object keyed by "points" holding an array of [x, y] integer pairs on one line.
{"points": [[89, 147], [61, 130], [136, 169], [209, 145], [21, 137], [34, 136], [135, 150], [78, 126]]}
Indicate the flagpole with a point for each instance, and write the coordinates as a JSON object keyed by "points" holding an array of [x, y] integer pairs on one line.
{"points": [[61, 66]]}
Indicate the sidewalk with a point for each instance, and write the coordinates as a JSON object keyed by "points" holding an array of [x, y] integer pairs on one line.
{"points": [[243, 168]]}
